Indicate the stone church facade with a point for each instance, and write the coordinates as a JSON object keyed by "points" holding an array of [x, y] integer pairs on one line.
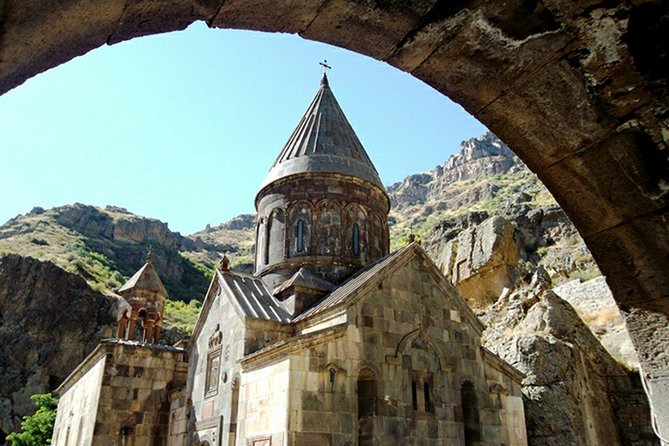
{"points": [[332, 340]]}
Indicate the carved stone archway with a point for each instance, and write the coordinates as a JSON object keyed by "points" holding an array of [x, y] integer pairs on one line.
{"points": [[578, 90]]}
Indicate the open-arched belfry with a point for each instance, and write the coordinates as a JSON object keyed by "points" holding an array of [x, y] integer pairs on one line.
{"points": [[577, 89]]}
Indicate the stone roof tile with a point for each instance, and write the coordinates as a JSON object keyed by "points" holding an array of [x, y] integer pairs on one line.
{"points": [[305, 278], [252, 296], [145, 279]]}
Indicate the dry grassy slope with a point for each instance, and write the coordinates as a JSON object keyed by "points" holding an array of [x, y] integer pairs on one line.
{"points": [[107, 245], [235, 237]]}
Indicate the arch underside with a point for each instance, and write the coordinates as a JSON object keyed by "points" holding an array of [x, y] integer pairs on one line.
{"points": [[577, 89]]}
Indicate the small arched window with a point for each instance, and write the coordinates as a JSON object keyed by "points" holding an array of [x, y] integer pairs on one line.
{"points": [[299, 229], [356, 239], [299, 236], [268, 230]]}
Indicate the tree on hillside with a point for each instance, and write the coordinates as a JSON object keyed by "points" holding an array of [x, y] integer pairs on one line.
{"points": [[36, 429]]}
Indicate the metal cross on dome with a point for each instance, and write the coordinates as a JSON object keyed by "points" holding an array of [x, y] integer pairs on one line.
{"points": [[325, 66]]}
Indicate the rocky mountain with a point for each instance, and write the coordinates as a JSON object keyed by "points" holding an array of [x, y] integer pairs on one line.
{"points": [[235, 237], [485, 179], [50, 320], [106, 246]]}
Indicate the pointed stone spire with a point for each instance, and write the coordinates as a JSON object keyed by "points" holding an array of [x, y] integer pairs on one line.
{"points": [[145, 295], [323, 142], [322, 205]]}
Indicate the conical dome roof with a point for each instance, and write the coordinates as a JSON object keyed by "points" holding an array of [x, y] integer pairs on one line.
{"points": [[323, 141]]}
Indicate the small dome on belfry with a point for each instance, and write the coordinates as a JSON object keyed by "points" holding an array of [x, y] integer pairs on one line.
{"points": [[322, 204]]}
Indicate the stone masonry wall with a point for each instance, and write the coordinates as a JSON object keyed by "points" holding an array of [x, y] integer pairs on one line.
{"points": [[222, 336], [327, 225], [265, 410], [405, 330], [506, 397], [81, 399], [134, 399]]}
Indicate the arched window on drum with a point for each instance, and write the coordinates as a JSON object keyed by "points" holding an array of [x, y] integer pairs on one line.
{"points": [[277, 236], [356, 239], [300, 230], [261, 237]]}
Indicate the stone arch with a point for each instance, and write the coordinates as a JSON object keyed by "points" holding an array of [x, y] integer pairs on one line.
{"points": [[299, 239], [409, 338], [276, 235], [261, 243], [365, 367], [327, 228], [591, 131]]}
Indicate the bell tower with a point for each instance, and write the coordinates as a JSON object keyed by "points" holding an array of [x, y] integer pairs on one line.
{"points": [[145, 295], [322, 207]]}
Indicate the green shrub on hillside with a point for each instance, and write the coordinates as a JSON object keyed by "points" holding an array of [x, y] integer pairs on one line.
{"points": [[36, 429], [181, 314]]}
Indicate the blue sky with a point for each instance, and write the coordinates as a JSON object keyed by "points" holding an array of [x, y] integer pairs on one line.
{"points": [[184, 126]]}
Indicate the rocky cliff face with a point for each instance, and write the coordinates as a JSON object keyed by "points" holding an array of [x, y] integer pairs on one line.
{"points": [[49, 321], [594, 304], [235, 237], [486, 180], [482, 260], [575, 392], [480, 157], [106, 246]]}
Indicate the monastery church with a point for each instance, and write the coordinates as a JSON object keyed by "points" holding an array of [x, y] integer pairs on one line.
{"points": [[332, 341]]}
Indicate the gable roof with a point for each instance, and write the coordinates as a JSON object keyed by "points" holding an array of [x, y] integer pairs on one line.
{"points": [[323, 141], [145, 279], [252, 296], [346, 291], [249, 297], [379, 271], [305, 278]]}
